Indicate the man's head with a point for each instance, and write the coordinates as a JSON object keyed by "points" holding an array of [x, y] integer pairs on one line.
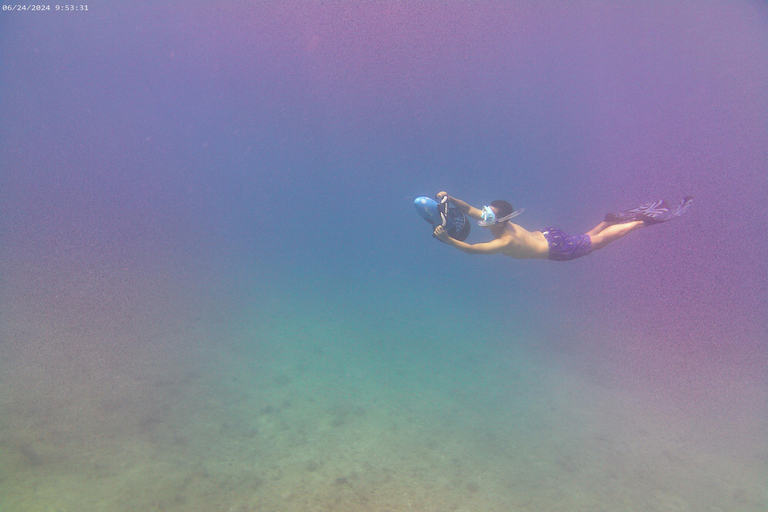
{"points": [[497, 214], [502, 208]]}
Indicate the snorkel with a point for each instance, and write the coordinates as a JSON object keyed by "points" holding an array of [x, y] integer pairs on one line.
{"points": [[488, 217]]}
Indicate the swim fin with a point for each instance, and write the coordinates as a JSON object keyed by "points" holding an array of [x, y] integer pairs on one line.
{"points": [[650, 213], [656, 217]]}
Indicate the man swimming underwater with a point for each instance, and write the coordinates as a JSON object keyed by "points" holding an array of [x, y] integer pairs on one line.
{"points": [[552, 243]]}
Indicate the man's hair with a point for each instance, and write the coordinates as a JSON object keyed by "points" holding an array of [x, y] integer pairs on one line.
{"points": [[503, 207]]}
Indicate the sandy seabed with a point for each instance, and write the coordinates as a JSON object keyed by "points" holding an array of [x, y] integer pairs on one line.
{"points": [[148, 402]]}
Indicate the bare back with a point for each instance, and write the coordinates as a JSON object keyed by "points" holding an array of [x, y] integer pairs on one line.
{"points": [[520, 243]]}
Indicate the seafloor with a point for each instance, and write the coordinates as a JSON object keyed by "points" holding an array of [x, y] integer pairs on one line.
{"points": [[128, 394]]}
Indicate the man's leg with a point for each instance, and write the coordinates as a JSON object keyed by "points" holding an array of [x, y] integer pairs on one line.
{"points": [[595, 230], [605, 233]]}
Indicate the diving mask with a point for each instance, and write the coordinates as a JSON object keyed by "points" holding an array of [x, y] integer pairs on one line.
{"points": [[488, 217]]}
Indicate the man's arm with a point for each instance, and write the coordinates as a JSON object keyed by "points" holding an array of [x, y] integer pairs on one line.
{"points": [[492, 247], [466, 209]]}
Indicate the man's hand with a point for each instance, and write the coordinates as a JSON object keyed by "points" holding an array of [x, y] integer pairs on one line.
{"points": [[441, 195], [441, 234]]}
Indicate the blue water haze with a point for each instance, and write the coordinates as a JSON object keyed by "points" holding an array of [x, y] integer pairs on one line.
{"points": [[209, 253]]}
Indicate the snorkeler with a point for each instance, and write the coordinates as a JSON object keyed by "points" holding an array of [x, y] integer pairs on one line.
{"points": [[552, 243]]}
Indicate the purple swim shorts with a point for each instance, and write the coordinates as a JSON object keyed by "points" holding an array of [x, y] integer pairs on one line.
{"points": [[565, 247]]}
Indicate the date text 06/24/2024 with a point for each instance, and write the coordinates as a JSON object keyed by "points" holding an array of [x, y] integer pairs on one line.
{"points": [[43, 7]]}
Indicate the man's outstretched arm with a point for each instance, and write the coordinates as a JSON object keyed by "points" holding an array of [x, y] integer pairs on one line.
{"points": [[492, 247], [465, 208]]}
